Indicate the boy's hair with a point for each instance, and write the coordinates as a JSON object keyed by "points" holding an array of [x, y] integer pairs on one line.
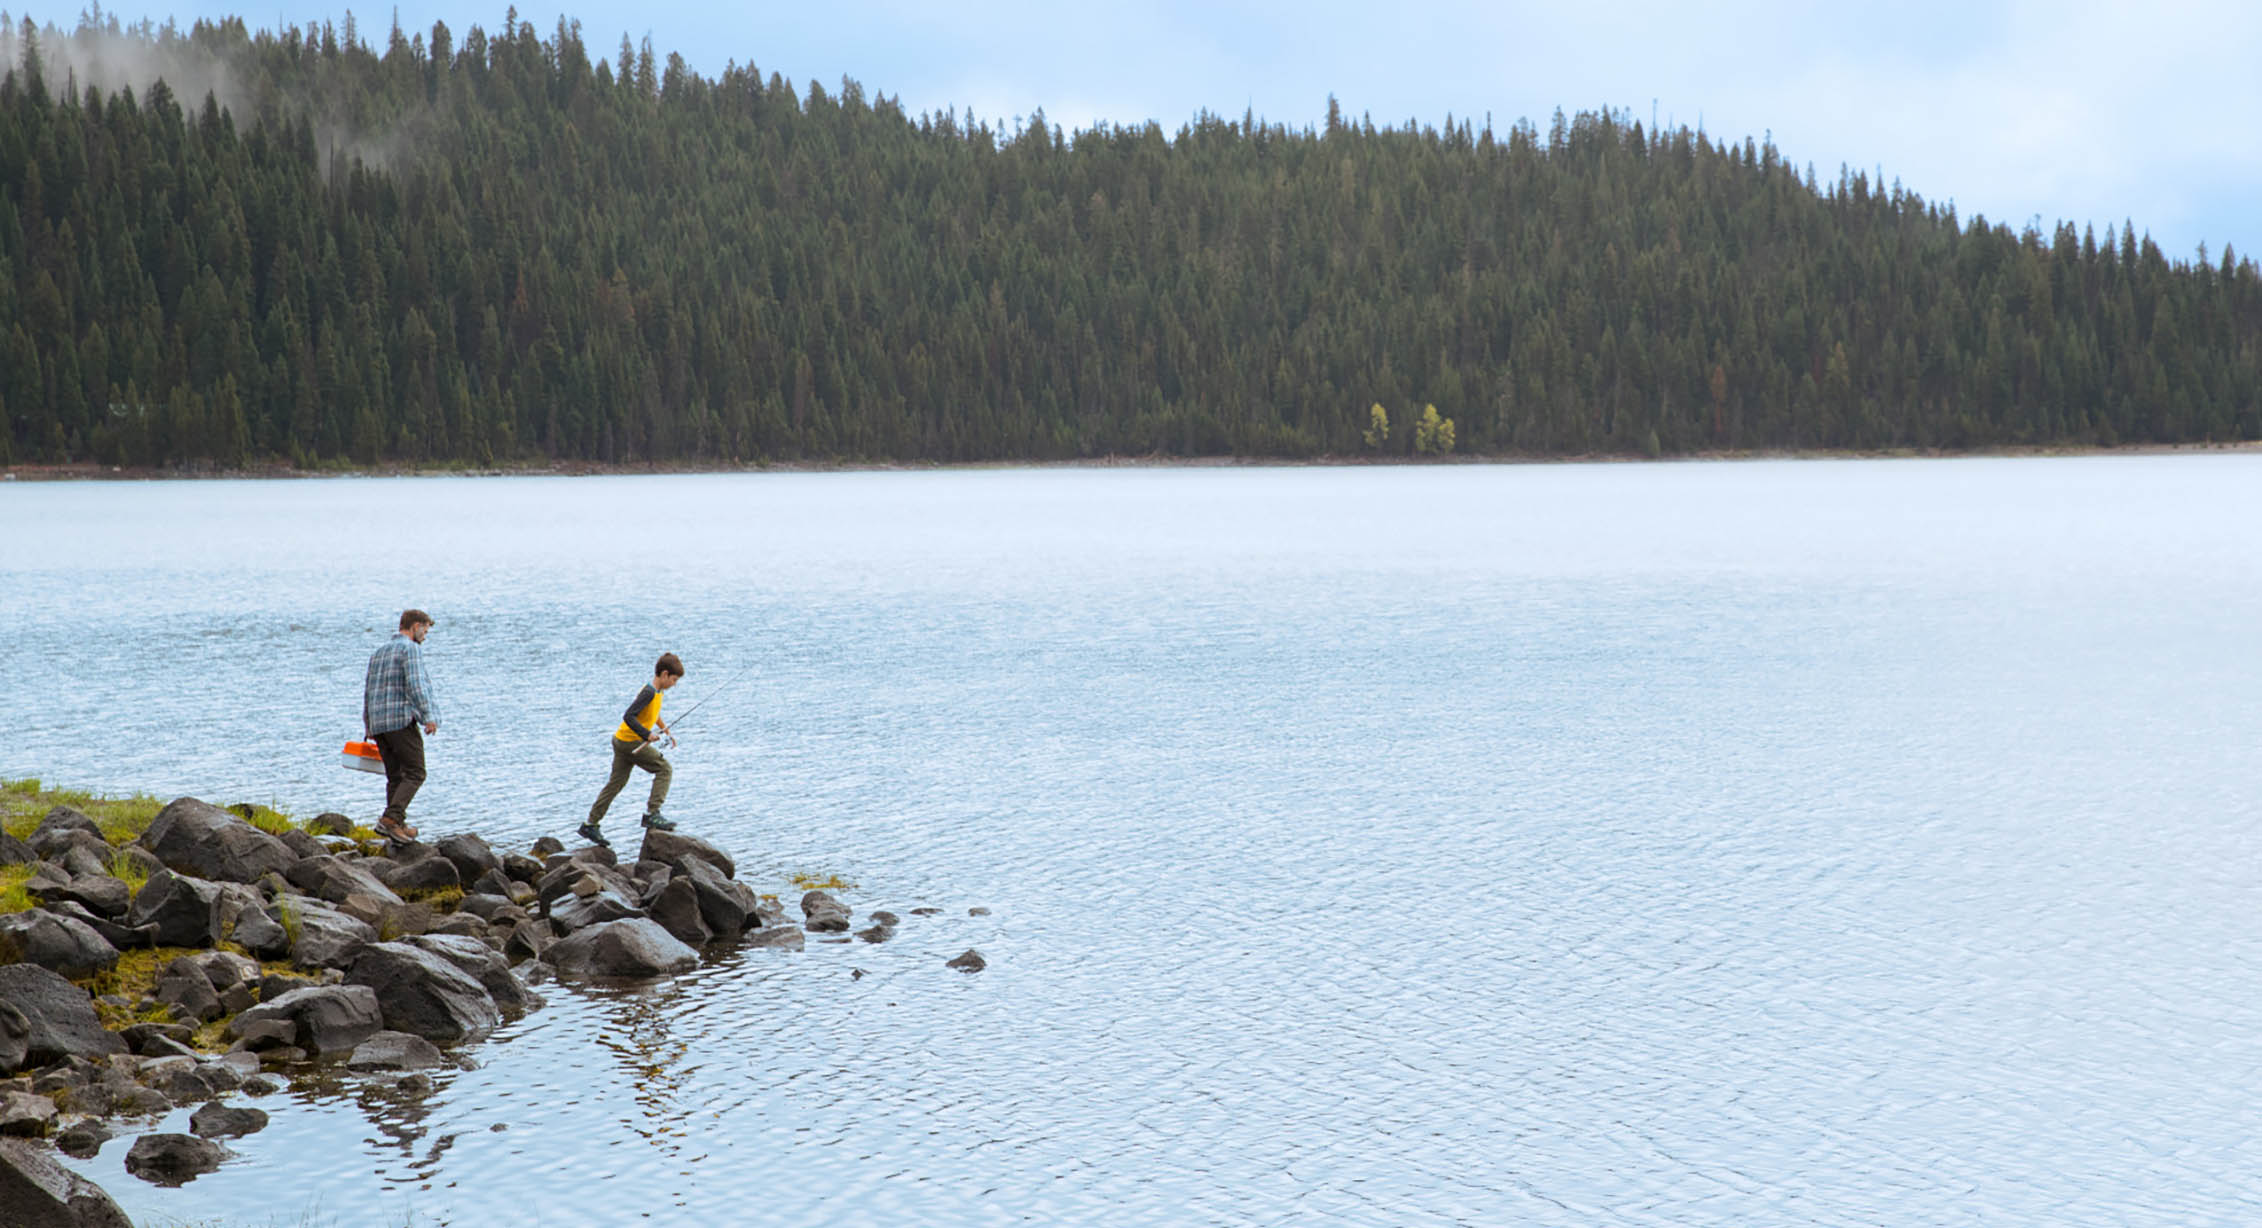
{"points": [[410, 618], [669, 664]]}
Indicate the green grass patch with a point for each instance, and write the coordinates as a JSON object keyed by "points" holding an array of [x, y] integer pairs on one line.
{"points": [[129, 871], [442, 899], [13, 897], [23, 803]]}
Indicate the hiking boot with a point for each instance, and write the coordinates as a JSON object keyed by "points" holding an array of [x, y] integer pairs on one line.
{"points": [[653, 822], [589, 832], [396, 830]]}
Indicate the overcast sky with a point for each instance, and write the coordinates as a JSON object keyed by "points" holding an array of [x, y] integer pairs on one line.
{"points": [[2019, 109]]}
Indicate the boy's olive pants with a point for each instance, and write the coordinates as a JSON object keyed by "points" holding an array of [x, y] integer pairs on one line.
{"points": [[625, 756]]}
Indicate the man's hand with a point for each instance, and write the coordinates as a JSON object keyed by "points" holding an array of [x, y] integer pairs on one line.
{"points": [[431, 726]]}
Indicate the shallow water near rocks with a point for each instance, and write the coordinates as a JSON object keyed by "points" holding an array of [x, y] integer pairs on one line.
{"points": [[1718, 844]]}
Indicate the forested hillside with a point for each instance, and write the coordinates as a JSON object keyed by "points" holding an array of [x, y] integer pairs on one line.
{"points": [[502, 247]]}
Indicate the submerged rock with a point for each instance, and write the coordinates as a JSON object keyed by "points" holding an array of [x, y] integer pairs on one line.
{"points": [[395, 1051], [217, 1120], [823, 913], [971, 961], [173, 1159], [81, 1139]]}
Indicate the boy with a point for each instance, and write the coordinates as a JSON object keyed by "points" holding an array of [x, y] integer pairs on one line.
{"points": [[639, 728]]}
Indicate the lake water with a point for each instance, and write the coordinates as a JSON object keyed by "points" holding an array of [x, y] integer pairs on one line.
{"points": [[1706, 844]]}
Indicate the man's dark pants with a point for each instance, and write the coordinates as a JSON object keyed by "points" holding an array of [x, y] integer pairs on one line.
{"points": [[403, 750]]}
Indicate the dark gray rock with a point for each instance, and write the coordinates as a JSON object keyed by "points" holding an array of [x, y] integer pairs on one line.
{"points": [[926, 912], [303, 844], [262, 1085], [77, 852], [423, 994], [139, 1035], [429, 872], [724, 905], [528, 939], [173, 1159], [769, 910], [578, 912], [330, 823], [482, 963], [777, 937], [548, 845], [884, 917], [676, 908], [521, 868], [99, 893], [485, 906], [207, 842], [273, 985], [672, 848], [971, 961], [470, 854], [165, 1046], [876, 933], [225, 968], [636, 947], [217, 1120], [36, 1192], [327, 938], [55, 942], [462, 925], [25, 1114], [61, 823], [490, 882], [395, 1051], [244, 920], [14, 852], [189, 994], [59, 1020], [182, 910], [140, 1102], [334, 878], [81, 1139], [823, 914], [191, 1085], [113, 933], [324, 1018]]}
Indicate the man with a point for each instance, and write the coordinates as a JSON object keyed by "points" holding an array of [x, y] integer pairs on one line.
{"points": [[640, 727], [396, 697]]}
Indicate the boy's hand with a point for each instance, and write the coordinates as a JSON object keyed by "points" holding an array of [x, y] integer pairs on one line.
{"points": [[431, 726]]}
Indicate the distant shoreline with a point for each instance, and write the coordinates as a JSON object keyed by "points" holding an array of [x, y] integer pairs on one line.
{"points": [[90, 472]]}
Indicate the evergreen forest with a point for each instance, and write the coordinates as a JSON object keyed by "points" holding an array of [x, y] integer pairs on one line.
{"points": [[303, 246]]}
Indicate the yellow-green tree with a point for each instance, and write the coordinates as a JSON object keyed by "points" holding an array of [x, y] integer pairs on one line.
{"points": [[1378, 426], [1432, 434]]}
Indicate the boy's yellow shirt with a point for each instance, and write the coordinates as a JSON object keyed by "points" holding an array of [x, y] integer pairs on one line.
{"points": [[647, 718]]}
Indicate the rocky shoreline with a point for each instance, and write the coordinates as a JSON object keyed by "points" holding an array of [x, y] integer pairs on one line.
{"points": [[244, 958]]}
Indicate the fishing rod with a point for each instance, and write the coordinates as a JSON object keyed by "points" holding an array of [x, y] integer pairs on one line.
{"points": [[687, 712]]}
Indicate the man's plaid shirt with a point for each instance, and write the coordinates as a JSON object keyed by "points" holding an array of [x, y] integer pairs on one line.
{"points": [[397, 693]]}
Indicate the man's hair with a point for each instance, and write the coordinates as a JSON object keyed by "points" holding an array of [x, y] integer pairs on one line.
{"points": [[669, 664], [410, 618]]}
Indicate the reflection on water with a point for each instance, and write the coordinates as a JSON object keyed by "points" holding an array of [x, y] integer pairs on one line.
{"points": [[1682, 844]]}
